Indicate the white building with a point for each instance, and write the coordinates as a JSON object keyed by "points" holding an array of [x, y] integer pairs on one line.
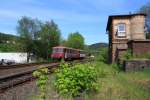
{"points": [[18, 57]]}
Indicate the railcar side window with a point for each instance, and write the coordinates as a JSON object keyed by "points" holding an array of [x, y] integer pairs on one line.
{"points": [[58, 50], [54, 50]]}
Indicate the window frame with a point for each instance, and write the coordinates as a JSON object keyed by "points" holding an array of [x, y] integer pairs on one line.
{"points": [[122, 32]]}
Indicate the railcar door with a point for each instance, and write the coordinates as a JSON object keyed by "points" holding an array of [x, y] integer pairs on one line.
{"points": [[67, 53]]}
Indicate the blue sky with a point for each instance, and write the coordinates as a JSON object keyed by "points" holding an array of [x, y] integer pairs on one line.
{"points": [[89, 17]]}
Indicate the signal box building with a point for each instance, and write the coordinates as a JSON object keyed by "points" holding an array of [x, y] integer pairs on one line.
{"points": [[126, 31]]}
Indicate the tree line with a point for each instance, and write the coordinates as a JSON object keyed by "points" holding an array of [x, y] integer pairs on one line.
{"points": [[39, 37]]}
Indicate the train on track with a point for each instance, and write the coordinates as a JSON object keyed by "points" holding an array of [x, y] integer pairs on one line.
{"points": [[58, 52], [61, 52]]}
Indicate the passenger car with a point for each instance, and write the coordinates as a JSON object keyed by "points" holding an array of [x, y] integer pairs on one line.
{"points": [[61, 52]]}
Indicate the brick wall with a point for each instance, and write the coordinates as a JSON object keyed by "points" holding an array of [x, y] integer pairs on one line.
{"points": [[139, 47]]}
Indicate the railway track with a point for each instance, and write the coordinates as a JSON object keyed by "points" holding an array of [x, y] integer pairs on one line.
{"points": [[11, 75], [20, 65], [19, 75]]}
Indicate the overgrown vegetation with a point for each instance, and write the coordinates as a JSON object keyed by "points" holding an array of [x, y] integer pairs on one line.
{"points": [[74, 80], [129, 56], [42, 75], [103, 55], [112, 85], [122, 86]]}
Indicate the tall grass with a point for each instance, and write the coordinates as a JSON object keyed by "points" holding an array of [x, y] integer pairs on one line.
{"points": [[122, 86]]}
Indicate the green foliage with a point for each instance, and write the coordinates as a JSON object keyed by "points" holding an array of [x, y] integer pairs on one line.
{"points": [[103, 55], [49, 37], [128, 55], [7, 37], [117, 67], [75, 40], [63, 42], [100, 68], [75, 80], [98, 46], [9, 43], [148, 56], [142, 56], [42, 75], [28, 29], [9, 47], [38, 37], [113, 85]]}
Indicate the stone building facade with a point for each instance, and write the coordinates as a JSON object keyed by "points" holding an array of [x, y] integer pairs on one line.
{"points": [[121, 29]]}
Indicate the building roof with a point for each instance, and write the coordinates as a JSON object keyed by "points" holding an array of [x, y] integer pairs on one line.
{"points": [[120, 16]]}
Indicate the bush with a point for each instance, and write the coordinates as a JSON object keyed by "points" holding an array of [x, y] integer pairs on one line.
{"points": [[75, 80]]}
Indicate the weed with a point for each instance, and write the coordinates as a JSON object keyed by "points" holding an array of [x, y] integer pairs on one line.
{"points": [[42, 75]]}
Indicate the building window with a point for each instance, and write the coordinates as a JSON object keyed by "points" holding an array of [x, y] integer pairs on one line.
{"points": [[121, 29]]}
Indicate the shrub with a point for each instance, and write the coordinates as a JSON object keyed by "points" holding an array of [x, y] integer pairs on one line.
{"points": [[42, 75], [75, 80], [128, 54]]}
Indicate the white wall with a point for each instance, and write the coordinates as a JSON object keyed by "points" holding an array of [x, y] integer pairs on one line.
{"points": [[17, 57]]}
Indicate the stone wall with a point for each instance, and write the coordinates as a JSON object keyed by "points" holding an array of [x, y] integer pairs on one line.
{"points": [[136, 65], [137, 24]]}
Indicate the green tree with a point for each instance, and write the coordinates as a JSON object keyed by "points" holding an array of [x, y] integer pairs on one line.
{"points": [[49, 36], [146, 10], [28, 29], [75, 40], [37, 37], [63, 42]]}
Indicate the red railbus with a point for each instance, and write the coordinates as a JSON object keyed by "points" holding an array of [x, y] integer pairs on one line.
{"points": [[61, 52]]}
